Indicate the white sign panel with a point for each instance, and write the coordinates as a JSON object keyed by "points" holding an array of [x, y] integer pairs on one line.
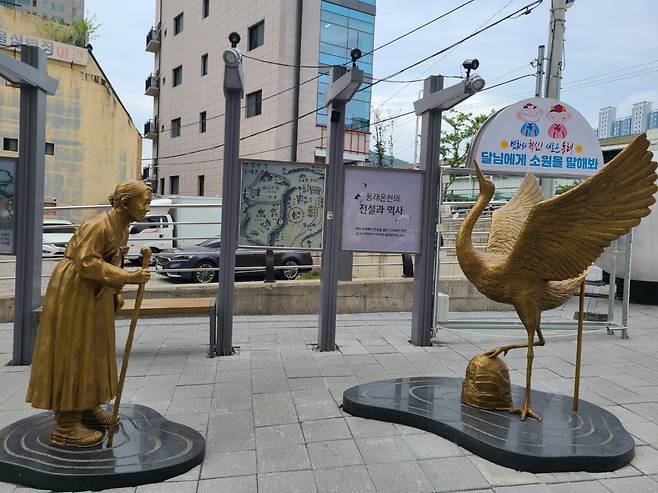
{"points": [[381, 210], [7, 182], [52, 49], [540, 135]]}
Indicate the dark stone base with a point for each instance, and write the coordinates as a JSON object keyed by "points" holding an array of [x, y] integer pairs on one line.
{"points": [[591, 440], [147, 449]]}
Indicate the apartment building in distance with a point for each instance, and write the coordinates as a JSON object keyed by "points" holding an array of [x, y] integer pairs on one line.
{"points": [[64, 11], [299, 36], [641, 119]]}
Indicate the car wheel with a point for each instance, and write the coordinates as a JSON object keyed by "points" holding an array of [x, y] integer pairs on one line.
{"points": [[205, 277], [291, 270]]}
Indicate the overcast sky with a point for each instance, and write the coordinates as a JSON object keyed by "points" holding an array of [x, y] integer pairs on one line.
{"points": [[611, 54]]}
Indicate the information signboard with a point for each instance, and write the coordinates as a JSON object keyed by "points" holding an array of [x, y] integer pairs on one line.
{"points": [[541, 135], [381, 210], [281, 204], [7, 225]]}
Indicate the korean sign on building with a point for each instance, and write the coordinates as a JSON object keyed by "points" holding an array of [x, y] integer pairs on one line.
{"points": [[540, 135], [52, 49], [381, 210]]}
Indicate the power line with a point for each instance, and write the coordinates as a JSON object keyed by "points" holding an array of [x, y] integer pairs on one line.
{"points": [[526, 9]]}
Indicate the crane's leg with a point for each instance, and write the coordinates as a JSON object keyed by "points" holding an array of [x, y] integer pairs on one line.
{"points": [[492, 353], [530, 319]]}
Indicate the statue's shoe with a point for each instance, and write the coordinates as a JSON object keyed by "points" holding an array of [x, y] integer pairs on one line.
{"points": [[98, 418], [76, 436]]}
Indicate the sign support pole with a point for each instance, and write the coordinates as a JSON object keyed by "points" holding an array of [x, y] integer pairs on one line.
{"points": [[424, 282], [233, 92], [344, 85]]}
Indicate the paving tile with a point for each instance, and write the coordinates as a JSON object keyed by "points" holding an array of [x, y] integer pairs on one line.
{"points": [[384, 449], [279, 436], [238, 484], [646, 460], [274, 409], [365, 428], [353, 479], [230, 431], [325, 429], [224, 464], [283, 458], [315, 404], [431, 446], [501, 476], [579, 487], [525, 488], [334, 453], [179, 487], [631, 485], [399, 477], [231, 396], [289, 482], [647, 432], [453, 473], [269, 380]]}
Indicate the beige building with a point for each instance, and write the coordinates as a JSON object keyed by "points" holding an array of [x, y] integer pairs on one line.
{"points": [[92, 143], [188, 41], [64, 11]]}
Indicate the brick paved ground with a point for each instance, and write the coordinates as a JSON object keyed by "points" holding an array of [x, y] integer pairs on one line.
{"points": [[271, 413]]}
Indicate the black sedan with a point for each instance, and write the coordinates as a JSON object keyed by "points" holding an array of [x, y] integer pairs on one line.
{"points": [[248, 263]]}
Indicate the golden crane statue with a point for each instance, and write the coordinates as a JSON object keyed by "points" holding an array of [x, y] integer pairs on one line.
{"points": [[538, 250]]}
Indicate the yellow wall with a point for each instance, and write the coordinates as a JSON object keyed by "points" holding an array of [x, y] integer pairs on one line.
{"points": [[96, 143]]}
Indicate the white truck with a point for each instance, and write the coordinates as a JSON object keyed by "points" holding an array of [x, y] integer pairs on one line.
{"points": [[175, 221]]}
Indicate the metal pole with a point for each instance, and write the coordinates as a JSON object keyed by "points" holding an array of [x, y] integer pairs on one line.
{"points": [[332, 221], [437, 257], [424, 282], [416, 134], [540, 70], [612, 284], [554, 67], [29, 209], [233, 85], [627, 285], [579, 345]]}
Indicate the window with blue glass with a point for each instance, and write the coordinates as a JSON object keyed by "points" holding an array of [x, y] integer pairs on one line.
{"points": [[342, 29]]}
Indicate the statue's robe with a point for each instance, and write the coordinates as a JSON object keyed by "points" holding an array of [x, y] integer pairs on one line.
{"points": [[74, 360]]}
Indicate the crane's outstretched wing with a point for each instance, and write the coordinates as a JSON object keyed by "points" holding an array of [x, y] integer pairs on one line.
{"points": [[564, 235], [507, 222]]}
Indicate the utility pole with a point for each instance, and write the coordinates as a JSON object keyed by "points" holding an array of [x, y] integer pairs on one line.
{"points": [[553, 83], [233, 93], [540, 71], [344, 85]]}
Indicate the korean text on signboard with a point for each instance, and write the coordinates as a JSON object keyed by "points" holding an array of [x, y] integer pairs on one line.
{"points": [[381, 210], [7, 181], [540, 135], [52, 49], [281, 204]]}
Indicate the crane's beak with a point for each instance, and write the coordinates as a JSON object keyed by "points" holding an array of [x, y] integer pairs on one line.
{"points": [[478, 171]]}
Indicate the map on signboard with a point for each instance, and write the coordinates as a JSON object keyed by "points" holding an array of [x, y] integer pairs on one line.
{"points": [[281, 204]]}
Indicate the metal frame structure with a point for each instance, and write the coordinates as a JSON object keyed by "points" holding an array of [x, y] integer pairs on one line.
{"points": [[609, 325]]}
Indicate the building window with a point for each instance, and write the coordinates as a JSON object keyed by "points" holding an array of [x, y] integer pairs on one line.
{"points": [[173, 185], [204, 64], [161, 190], [254, 104], [206, 8], [177, 75], [9, 144], [201, 185], [202, 122], [175, 127], [178, 23], [256, 35], [50, 148]]}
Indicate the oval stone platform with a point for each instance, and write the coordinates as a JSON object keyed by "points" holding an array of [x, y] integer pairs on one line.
{"points": [[147, 449], [591, 440]]}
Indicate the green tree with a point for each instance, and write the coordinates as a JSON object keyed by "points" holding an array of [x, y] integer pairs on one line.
{"points": [[456, 141], [80, 32], [560, 189]]}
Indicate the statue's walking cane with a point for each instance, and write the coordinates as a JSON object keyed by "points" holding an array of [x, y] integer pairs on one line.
{"points": [[146, 258]]}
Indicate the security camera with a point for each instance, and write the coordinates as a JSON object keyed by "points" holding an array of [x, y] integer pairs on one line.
{"points": [[355, 54], [471, 64], [234, 39]]}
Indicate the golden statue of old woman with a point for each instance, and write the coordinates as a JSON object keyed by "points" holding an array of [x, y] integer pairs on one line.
{"points": [[74, 362]]}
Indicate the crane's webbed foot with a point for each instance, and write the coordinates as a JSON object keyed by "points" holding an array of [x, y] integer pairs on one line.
{"points": [[492, 353], [525, 411]]}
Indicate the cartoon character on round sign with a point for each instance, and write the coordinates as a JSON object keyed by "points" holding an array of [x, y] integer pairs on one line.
{"points": [[529, 115], [558, 114]]}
